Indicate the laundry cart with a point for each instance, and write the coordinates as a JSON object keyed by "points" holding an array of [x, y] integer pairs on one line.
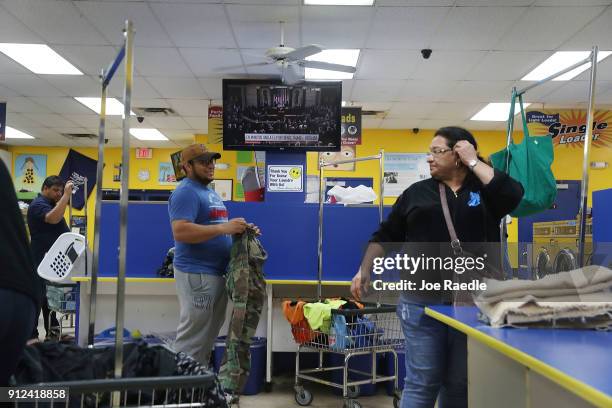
{"points": [[368, 331]]}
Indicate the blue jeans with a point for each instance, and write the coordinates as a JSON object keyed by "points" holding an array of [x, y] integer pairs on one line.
{"points": [[436, 360]]}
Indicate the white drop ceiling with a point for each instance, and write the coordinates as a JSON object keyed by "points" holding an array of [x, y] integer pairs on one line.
{"points": [[480, 50]]}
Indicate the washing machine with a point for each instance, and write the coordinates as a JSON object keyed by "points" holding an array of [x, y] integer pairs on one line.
{"points": [[543, 250], [565, 236]]}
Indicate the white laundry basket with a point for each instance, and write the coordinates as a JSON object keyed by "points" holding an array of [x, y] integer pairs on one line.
{"points": [[64, 258]]}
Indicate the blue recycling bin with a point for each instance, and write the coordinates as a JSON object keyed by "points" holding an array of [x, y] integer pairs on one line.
{"points": [[362, 363], [257, 376], [390, 369]]}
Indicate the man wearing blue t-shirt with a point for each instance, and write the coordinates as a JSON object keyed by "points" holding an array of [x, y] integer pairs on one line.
{"points": [[202, 239]]}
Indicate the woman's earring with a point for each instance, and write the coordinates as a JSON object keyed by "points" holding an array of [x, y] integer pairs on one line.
{"points": [[456, 163]]}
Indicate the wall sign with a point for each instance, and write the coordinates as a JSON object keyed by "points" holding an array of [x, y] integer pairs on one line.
{"points": [[144, 153], [350, 127], [285, 178], [402, 170], [567, 126]]}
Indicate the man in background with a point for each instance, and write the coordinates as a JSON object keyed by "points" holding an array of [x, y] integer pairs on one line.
{"points": [[46, 223], [19, 293]]}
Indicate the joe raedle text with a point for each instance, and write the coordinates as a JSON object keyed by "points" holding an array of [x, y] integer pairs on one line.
{"points": [[447, 284]]}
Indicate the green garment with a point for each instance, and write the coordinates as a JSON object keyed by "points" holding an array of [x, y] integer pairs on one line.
{"points": [[318, 314]]}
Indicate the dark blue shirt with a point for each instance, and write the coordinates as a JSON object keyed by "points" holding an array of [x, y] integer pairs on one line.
{"points": [[199, 204], [43, 234]]}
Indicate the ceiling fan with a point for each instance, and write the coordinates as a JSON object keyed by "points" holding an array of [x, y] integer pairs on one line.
{"points": [[292, 61]]}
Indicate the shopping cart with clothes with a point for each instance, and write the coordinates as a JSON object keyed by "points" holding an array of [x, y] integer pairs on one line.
{"points": [[371, 329]]}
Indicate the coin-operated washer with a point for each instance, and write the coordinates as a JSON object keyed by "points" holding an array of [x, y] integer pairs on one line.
{"points": [[565, 234], [544, 250]]}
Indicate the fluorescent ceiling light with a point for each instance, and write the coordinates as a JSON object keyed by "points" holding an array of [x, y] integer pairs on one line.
{"points": [[113, 106], [39, 58], [338, 2], [497, 112], [338, 56], [12, 133], [561, 60], [147, 134]]}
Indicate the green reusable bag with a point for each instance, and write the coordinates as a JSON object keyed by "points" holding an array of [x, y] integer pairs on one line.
{"points": [[528, 163]]}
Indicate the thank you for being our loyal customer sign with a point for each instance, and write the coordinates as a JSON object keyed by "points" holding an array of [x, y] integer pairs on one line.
{"points": [[2, 121], [567, 127]]}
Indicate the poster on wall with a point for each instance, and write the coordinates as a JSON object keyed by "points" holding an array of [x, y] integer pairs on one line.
{"points": [[30, 171], [402, 170], [78, 167], [347, 152], [285, 179], [215, 124], [166, 175], [223, 187], [350, 126], [2, 121], [567, 126]]}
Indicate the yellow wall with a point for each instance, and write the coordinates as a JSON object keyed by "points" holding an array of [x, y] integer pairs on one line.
{"points": [[567, 164]]}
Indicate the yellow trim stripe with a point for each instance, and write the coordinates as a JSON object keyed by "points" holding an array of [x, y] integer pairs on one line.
{"points": [[573, 385], [163, 280]]}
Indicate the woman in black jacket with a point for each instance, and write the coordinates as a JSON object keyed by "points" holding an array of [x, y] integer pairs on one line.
{"points": [[19, 292], [478, 197]]}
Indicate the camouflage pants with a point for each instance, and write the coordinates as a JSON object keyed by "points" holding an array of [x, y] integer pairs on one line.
{"points": [[246, 287]]}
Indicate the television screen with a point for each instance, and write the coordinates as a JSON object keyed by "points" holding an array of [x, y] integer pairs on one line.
{"points": [[176, 163], [269, 115]]}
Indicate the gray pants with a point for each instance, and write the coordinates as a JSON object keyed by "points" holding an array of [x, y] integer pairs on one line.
{"points": [[202, 299]]}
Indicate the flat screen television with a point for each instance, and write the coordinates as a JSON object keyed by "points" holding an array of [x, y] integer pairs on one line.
{"points": [[269, 115]]}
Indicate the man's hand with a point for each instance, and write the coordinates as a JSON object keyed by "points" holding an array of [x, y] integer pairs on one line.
{"points": [[68, 188], [235, 226], [255, 228], [360, 285], [466, 152]]}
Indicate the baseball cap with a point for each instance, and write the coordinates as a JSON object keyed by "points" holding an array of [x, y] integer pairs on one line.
{"points": [[197, 151]]}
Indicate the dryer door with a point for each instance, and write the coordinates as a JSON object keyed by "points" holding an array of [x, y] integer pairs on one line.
{"points": [[565, 260], [542, 265]]}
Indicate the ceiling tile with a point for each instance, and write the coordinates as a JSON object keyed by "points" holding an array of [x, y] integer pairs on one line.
{"points": [[376, 90], [412, 110], [484, 125], [7, 93], [167, 122], [406, 3], [195, 25], [257, 26], [480, 91], [24, 105], [399, 123], [190, 107], [507, 65], [404, 27], [87, 121], [371, 122], [50, 119], [455, 112], [199, 122], [336, 26], [177, 87], [475, 28], [576, 3], [57, 22], [208, 62], [598, 32], [109, 18], [28, 85], [89, 59], [160, 62], [19, 121], [539, 93], [213, 87], [426, 90], [140, 89], [13, 30], [515, 3], [448, 64], [376, 106], [75, 85], [388, 64], [9, 66], [63, 105], [150, 103], [530, 34]]}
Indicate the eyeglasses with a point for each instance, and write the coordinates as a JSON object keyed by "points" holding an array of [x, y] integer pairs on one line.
{"points": [[438, 152]]}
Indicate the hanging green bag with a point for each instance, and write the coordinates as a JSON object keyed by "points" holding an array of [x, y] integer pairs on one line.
{"points": [[528, 163]]}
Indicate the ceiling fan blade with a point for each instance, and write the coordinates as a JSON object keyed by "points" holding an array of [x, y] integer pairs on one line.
{"points": [[328, 66], [303, 52], [232, 67]]}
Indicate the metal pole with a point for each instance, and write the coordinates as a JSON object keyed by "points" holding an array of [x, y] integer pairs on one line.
{"points": [[70, 209], [553, 76], [97, 217], [320, 243], [350, 160], [588, 136], [382, 185], [503, 248], [124, 195]]}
